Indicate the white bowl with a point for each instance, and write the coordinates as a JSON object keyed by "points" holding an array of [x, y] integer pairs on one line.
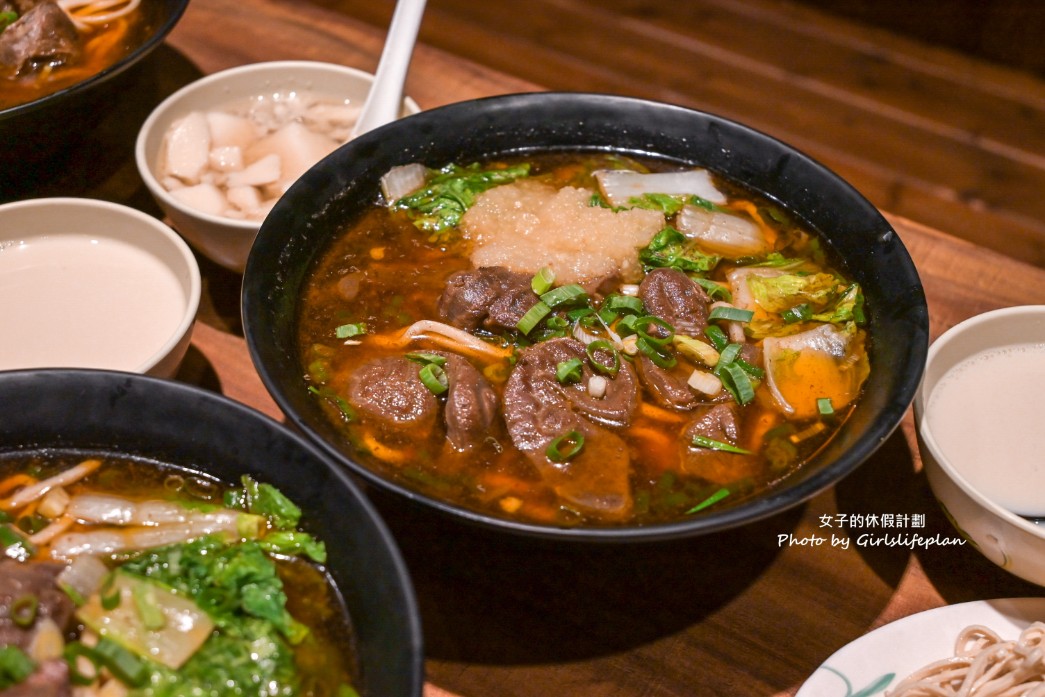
{"points": [[223, 239], [92, 284], [1013, 542]]}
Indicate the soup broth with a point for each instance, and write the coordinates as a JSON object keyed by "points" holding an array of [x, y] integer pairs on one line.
{"points": [[501, 349], [115, 552]]}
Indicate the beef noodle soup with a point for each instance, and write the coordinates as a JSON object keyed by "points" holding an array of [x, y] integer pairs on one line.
{"points": [[580, 340], [48, 45], [122, 576]]}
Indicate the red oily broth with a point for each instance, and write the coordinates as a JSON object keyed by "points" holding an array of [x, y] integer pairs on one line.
{"points": [[669, 375]]}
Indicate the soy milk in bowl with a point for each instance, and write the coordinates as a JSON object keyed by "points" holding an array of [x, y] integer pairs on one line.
{"points": [[978, 411]]}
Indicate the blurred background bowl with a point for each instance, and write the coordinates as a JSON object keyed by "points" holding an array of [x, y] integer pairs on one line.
{"points": [[1013, 542], [35, 133], [93, 284], [222, 239], [313, 212], [103, 413]]}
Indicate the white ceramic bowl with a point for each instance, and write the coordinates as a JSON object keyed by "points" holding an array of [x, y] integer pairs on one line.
{"points": [[223, 239], [1012, 542], [92, 284]]}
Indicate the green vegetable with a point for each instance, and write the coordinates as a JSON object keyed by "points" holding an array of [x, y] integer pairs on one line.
{"points": [[14, 545], [533, 317], [15, 666], [624, 304], [669, 248], [427, 358], [542, 281], [717, 337], [23, 610], [565, 447], [569, 371], [781, 293], [731, 314], [564, 295], [266, 500], [715, 291], [294, 543], [438, 207], [434, 378], [824, 406], [347, 331], [7, 18], [712, 444], [710, 501], [601, 346]]}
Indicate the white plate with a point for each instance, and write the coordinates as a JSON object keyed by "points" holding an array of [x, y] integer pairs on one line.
{"points": [[880, 659]]}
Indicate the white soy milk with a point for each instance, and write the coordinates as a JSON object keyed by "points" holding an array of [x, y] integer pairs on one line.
{"points": [[986, 415], [85, 302]]}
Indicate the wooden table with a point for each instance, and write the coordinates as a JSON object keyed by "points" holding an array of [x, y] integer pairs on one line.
{"points": [[730, 613]]}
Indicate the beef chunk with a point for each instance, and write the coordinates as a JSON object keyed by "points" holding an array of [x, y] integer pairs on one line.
{"points": [[719, 422], [43, 35], [492, 298], [672, 296], [471, 403], [667, 388], [538, 409], [389, 390], [19, 579]]}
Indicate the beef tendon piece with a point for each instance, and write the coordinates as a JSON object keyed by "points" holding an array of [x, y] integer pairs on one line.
{"points": [[489, 298], [43, 36], [718, 422]]}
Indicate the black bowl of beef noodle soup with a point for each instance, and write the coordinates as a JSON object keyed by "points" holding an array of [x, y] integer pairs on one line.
{"points": [[158, 538], [585, 317], [64, 66]]}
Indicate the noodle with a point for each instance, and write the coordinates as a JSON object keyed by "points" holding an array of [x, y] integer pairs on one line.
{"points": [[983, 665], [89, 13]]}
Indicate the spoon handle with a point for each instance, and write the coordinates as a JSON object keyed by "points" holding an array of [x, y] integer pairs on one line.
{"points": [[384, 101]]}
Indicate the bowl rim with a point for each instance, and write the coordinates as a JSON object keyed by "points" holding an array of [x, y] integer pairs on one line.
{"points": [[117, 68], [925, 432], [194, 291], [89, 380], [773, 502], [144, 160]]}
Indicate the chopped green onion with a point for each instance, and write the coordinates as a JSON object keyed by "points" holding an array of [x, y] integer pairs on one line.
{"points": [[608, 316], [74, 651], [642, 328], [655, 353], [565, 447], [824, 406], [729, 354], [569, 371], [710, 501], [15, 666], [601, 345], [426, 358], [732, 314], [752, 370], [624, 303], [542, 281], [13, 545], [23, 610], [737, 382], [109, 595], [579, 313], [712, 444], [798, 313], [347, 331], [434, 378], [715, 291], [149, 611], [564, 295], [716, 336], [533, 317], [127, 667]]}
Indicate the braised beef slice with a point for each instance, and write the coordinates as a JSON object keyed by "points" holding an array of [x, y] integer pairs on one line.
{"points": [[672, 296], [667, 388], [718, 422], [51, 679], [18, 580], [471, 403], [538, 409], [490, 297], [43, 35], [389, 390]]}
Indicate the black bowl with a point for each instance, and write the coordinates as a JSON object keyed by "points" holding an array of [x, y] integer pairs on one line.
{"points": [[36, 133], [312, 212], [122, 414]]}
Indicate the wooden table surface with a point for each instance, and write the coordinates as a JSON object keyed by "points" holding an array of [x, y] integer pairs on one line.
{"points": [[732, 613]]}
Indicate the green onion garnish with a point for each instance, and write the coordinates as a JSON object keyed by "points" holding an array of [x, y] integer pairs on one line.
{"points": [[710, 501], [569, 371], [732, 314], [737, 382], [715, 291], [23, 610], [434, 378], [603, 346], [126, 666], [347, 331], [624, 303], [563, 295], [729, 354], [542, 281], [716, 336], [533, 317], [824, 406], [566, 446], [656, 353], [149, 611], [712, 444], [642, 328], [425, 358], [798, 313]]}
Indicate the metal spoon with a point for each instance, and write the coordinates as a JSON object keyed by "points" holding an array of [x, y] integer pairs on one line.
{"points": [[385, 99]]}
